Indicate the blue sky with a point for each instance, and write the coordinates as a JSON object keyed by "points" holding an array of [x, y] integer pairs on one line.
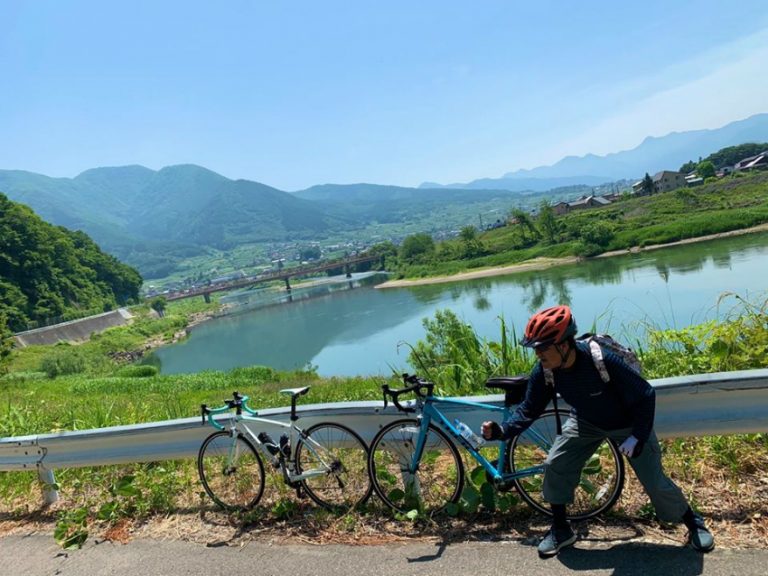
{"points": [[299, 93]]}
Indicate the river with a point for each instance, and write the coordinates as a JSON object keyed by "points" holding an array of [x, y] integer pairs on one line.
{"points": [[347, 327]]}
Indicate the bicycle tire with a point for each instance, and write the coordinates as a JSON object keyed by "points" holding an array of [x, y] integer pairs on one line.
{"points": [[347, 484], [602, 477], [232, 488], [440, 477]]}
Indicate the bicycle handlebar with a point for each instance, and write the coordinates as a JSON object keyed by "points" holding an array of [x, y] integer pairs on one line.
{"points": [[238, 403], [417, 385]]}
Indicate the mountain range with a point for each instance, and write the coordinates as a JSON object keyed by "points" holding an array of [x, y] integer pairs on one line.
{"points": [[652, 155], [153, 219]]}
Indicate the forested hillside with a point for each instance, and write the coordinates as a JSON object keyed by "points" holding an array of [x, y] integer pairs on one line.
{"points": [[153, 220], [49, 272]]}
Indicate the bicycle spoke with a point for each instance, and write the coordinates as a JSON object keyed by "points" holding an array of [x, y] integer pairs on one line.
{"points": [[231, 471], [341, 456], [440, 474]]}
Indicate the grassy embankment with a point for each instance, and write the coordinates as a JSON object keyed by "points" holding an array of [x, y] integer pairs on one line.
{"points": [[719, 206], [725, 476]]}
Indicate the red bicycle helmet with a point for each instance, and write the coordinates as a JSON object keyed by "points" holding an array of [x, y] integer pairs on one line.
{"points": [[551, 326]]}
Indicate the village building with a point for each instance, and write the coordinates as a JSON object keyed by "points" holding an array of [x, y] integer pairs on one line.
{"points": [[759, 162]]}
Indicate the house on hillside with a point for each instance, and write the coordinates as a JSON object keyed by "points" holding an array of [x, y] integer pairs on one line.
{"points": [[560, 208], [663, 181], [588, 202], [637, 188], [667, 180], [724, 171], [759, 162], [693, 179]]}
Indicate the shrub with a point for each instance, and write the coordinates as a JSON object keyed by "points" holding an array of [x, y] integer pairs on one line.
{"points": [[63, 361], [138, 371], [23, 376]]}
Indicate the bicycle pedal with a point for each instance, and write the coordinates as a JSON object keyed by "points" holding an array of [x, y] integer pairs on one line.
{"points": [[300, 492]]}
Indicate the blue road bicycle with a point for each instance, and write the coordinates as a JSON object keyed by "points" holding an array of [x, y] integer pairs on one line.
{"points": [[414, 463]]}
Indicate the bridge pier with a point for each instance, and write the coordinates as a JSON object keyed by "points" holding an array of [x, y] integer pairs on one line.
{"points": [[346, 269], [287, 284], [207, 297]]}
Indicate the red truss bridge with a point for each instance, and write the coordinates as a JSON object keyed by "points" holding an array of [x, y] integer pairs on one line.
{"points": [[283, 274]]}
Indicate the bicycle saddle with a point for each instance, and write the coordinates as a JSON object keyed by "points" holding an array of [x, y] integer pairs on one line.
{"points": [[295, 392], [514, 387]]}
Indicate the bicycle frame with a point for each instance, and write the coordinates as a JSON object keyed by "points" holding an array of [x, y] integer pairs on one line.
{"points": [[285, 463], [431, 414]]}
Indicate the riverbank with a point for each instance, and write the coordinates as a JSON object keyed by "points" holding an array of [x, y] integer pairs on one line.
{"points": [[544, 263]]}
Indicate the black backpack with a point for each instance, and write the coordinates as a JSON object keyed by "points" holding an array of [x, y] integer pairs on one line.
{"points": [[597, 343]]}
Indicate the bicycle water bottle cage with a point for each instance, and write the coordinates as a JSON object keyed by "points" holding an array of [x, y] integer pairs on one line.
{"points": [[269, 444], [285, 445], [514, 387]]}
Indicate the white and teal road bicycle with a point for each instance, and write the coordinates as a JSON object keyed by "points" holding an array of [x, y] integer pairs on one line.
{"points": [[327, 461]]}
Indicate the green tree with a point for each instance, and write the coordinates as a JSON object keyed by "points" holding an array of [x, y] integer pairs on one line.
{"points": [[468, 234], [471, 245], [417, 248], [547, 221], [387, 251], [732, 154], [688, 167], [648, 187], [6, 342], [159, 304], [706, 169], [528, 231], [383, 249], [310, 253], [598, 233]]}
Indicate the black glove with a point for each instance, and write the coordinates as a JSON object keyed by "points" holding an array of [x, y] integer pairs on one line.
{"points": [[496, 432]]}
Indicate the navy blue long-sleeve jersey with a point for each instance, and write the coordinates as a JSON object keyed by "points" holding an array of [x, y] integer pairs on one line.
{"points": [[627, 400]]}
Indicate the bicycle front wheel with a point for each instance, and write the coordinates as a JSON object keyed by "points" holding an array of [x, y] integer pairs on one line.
{"points": [[602, 477], [439, 477], [231, 471], [342, 456]]}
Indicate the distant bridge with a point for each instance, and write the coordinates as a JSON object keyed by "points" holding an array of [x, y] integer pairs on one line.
{"points": [[283, 274]]}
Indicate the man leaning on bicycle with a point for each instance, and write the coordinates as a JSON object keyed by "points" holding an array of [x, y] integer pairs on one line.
{"points": [[621, 409]]}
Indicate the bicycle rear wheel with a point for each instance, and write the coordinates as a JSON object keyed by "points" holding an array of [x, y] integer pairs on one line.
{"points": [[231, 471], [343, 456], [440, 476], [602, 477]]}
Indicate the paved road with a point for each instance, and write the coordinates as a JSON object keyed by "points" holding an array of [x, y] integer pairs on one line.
{"points": [[40, 556]]}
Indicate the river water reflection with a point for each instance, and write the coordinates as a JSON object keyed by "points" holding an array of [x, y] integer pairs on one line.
{"points": [[346, 328]]}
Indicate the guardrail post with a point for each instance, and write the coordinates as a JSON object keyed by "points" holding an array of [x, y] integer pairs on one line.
{"points": [[50, 489]]}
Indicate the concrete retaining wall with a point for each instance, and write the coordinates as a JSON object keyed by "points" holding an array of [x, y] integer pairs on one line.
{"points": [[73, 331]]}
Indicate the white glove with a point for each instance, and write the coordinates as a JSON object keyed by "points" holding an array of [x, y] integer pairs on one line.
{"points": [[628, 446]]}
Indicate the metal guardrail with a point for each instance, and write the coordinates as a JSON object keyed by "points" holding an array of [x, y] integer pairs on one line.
{"points": [[700, 405]]}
